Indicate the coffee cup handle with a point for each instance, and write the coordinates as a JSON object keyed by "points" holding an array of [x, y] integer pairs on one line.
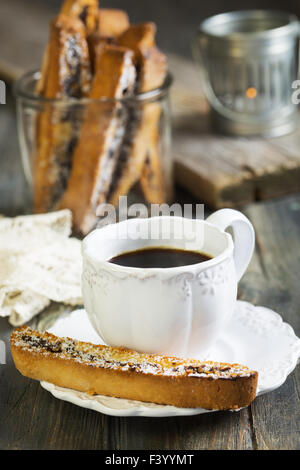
{"points": [[243, 236]]}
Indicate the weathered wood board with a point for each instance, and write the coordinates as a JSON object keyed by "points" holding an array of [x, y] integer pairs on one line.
{"points": [[220, 171]]}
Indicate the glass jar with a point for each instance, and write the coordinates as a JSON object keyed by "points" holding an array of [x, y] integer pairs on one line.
{"points": [[83, 153]]}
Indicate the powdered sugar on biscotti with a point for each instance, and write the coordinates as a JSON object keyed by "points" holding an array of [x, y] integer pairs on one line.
{"points": [[120, 359]]}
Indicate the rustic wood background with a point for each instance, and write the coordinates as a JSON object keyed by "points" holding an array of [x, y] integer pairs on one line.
{"points": [[32, 419]]}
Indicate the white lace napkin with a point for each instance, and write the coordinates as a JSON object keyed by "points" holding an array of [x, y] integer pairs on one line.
{"points": [[38, 263]]}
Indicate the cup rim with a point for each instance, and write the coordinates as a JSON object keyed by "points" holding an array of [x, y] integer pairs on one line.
{"points": [[20, 91], [151, 271], [209, 25]]}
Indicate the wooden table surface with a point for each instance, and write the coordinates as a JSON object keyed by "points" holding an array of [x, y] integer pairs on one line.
{"points": [[31, 418]]}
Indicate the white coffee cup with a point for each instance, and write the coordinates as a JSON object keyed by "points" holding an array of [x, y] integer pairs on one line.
{"points": [[177, 311]]}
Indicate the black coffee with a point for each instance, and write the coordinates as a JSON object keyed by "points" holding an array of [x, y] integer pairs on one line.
{"points": [[159, 257]]}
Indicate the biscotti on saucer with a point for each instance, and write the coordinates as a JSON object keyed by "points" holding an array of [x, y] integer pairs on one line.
{"points": [[118, 372]]}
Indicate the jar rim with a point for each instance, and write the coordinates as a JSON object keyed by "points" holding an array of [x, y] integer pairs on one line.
{"points": [[21, 91]]}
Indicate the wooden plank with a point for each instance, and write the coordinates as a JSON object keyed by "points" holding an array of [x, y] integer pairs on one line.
{"points": [[272, 280], [229, 171]]}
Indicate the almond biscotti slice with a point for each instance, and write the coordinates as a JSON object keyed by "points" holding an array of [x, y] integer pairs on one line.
{"points": [[152, 181], [112, 22], [154, 72], [101, 136], [96, 43], [151, 62], [122, 373], [85, 10], [65, 74], [143, 126]]}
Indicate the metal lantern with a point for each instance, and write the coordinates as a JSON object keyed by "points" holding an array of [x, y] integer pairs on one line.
{"points": [[250, 60]]}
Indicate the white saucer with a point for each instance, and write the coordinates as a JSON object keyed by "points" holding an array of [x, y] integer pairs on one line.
{"points": [[256, 337]]}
